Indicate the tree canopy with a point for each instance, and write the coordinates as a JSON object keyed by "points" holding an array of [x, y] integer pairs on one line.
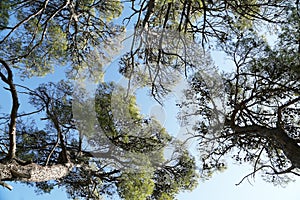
{"points": [[113, 149]]}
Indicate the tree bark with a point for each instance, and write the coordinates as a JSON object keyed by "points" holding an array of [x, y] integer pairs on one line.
{"points": [[288, 145], [14, 110], [32, 172]]}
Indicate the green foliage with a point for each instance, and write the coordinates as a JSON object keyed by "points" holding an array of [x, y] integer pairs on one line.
{"points": [[180, 14], [183, 171], [136, 186], [165, 196], [4, 14], [52, 51], [119, 118], [244, 12], [58, 33]]}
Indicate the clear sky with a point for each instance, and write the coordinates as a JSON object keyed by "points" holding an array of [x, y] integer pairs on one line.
{"points": [[222, 186]]}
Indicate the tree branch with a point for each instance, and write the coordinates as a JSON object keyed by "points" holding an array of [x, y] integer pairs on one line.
{"points": [[14, 110]]}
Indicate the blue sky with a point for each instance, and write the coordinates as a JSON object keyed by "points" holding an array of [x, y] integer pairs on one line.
{"points": [[222, 186]]}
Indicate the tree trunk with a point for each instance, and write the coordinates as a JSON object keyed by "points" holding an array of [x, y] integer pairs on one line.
{"points": [[288, 145], [12, 126], [32, 172], [14, 110]]}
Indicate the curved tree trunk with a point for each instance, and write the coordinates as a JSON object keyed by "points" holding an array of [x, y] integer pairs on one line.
{"points": [[288, 145]]}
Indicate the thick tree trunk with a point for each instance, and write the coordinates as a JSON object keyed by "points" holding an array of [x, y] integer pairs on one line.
{"points": [[13, 171], [288, 145]]}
